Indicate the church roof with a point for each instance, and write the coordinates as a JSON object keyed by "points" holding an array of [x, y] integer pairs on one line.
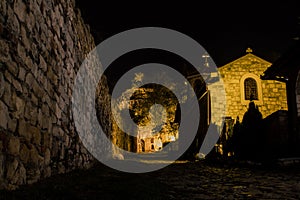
{"points": [[249, 55]]}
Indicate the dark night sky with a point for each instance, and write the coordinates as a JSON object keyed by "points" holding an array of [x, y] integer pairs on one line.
{"points": [[225, 31]]}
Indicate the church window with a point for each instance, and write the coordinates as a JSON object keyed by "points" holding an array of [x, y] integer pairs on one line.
{"points": [[250, 88]]}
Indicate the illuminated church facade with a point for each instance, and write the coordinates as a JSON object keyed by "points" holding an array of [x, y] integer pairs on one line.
{"points": [[242, 83]]}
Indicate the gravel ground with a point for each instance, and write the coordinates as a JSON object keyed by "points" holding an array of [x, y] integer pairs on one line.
{"points": [[185, 180]]}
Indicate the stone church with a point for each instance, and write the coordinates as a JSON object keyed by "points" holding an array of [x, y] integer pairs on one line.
{"points": [[242, 83], [239, 83]]}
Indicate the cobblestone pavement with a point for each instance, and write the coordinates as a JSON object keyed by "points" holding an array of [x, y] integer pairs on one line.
{"points": [[186, 180]]}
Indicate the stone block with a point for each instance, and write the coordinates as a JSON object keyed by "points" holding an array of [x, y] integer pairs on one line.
{"points": [[34, 157], [24, 37], [4, 115], [45, 109], [16, 174], [9, 97], [11, 167], [46, 172], [23, 129], [34, 70], [17, 85], [21, 175], [58, 111], [29, 79], [30, 20], [42, 63], [55, 149], [47, 140], [61, 168], [20, 10], [21, 52], [2, 83], [13, 147], [8, 76], [12, 68], [42, 79], [22, 73], [52, 76], [47, 157], [33, 175], [3, 7], [57, 132], [37, 89], [12, 21], [28, 62], [272, 85], [36, 135], [24, 153], [45, 123], [34, 100], [31, 113], [20, 107]]}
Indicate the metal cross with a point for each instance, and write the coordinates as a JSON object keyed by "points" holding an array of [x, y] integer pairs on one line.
{"points": [[206, 56], [249, 50]]}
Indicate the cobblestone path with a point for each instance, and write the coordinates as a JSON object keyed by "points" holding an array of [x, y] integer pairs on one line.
{"points": [[191, 180]]}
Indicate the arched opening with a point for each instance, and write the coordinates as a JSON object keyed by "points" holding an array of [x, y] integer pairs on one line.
{"points": [[250, 88]]}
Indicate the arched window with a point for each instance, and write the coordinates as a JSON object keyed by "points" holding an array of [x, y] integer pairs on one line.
{"points": [[250, 88]]}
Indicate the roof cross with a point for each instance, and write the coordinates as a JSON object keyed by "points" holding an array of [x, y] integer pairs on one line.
{"points": [[249, 50], [206, 56]]}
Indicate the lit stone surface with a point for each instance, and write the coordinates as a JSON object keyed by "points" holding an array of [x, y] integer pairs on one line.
{"points": [[3, 115], [271, 94], [13, 146], [42, 45]]}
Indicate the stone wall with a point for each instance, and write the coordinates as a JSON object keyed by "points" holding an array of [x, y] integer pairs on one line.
{"points": [[272, 94], [42, 44]]}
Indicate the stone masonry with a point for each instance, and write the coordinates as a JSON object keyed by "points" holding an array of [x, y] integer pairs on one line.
{"points": [[42, 44], [271, 93]]}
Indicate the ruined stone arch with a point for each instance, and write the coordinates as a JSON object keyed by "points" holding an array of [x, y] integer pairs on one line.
{"points": [[247, 79]]}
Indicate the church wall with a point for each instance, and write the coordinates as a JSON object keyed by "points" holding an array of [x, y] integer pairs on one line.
{"points": [[274, 97], [271, 94]]}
